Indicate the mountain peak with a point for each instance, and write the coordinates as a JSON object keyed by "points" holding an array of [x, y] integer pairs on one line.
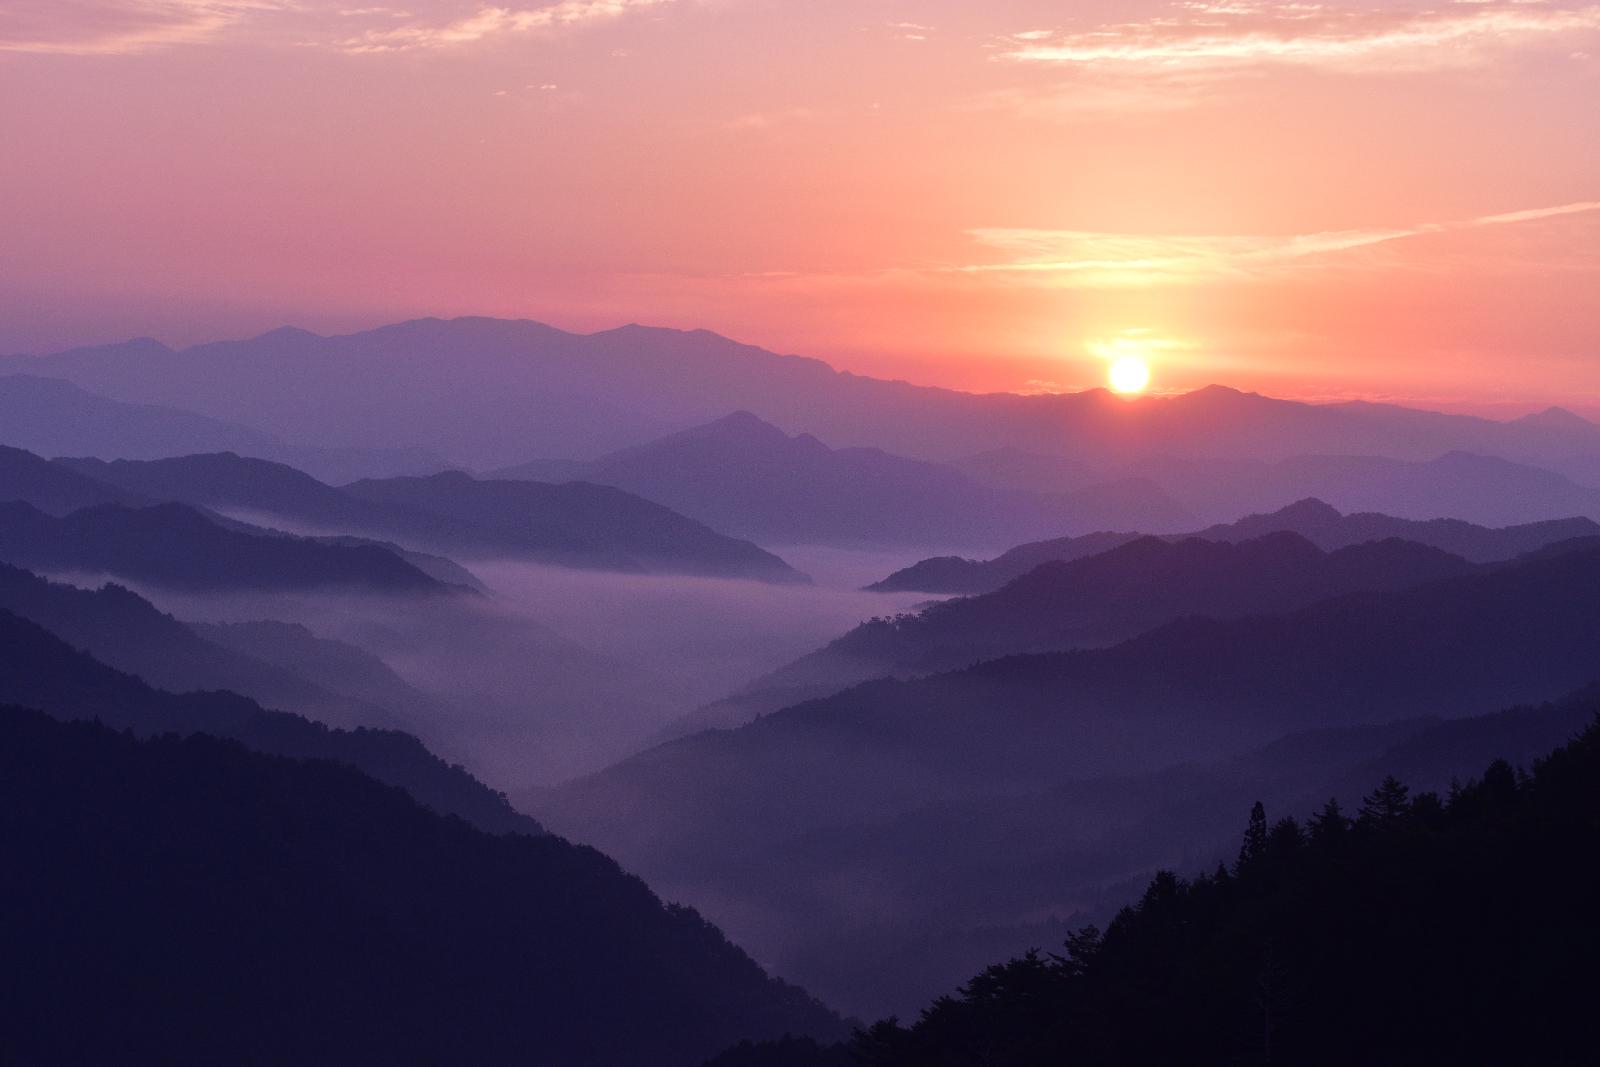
{"points": [[1557, 417], [1310, 509]]}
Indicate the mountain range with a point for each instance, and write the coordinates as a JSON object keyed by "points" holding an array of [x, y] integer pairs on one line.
{"points": [[746, 476], [1318, 522], [53, 417], [729, 817], [487, 393], [576, 525]]}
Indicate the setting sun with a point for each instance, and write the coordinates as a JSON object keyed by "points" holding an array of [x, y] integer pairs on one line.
{"points": [[1129, 375]]}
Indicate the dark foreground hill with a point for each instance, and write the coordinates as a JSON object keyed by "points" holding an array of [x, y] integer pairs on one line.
{"points": [[189, 901], [1312, 519], [175, 545], [1415, 929]]}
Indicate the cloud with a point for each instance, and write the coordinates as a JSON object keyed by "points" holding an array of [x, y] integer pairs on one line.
{"points": [[490, 22], [1236, 35], [1079, 258], [120, 27], [766, 120]]}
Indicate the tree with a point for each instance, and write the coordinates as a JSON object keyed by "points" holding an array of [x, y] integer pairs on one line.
{"points": [[1387, 806], [1255, 837], [1329, 825]]}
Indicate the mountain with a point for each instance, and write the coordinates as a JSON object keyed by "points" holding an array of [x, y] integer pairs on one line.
{"points": [[1312, 519], [219, 905], [748, 477], [53, 417], [127, 632], [336, 667], [576, 524], [579, 525], [175, 545], [486, 393], [981, 871], [39, 670], [726, 817], [1289, 953], [1110, 597], [52, 488], [1475, 487]]}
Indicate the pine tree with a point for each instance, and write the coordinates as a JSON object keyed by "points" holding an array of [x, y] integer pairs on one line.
{"points": [[1255, 837], [1387, 805]]}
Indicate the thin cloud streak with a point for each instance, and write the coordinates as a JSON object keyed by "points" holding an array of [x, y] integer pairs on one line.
{"points": [[121, 27], [492, 22], [1083, 258], [1246, 35]]}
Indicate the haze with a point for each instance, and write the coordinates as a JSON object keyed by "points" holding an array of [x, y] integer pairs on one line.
{"points": [[1320, 201]]}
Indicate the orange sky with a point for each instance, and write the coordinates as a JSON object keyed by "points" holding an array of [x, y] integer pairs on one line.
{"points": [[1321, 200]]}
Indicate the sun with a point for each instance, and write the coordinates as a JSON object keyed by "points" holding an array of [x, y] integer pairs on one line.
{"points": [[1129, 375]]}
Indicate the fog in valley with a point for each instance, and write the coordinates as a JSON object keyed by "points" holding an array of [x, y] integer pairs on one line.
{"points": [[556, 672]]}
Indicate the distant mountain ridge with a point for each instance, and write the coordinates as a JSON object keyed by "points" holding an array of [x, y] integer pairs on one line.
{"points": [[53, 417], [576, 525], [176, 545], [743, 474], [456, 388], [1318, 522]]}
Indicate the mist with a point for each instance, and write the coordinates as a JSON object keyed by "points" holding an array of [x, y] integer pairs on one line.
{"points": [[556, 673]]}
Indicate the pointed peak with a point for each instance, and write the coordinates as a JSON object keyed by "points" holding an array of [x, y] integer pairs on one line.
{"points": [[288, 334], [1558, 417], [1309, 509]]}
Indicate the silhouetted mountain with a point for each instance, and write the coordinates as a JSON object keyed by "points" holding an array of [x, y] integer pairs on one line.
{"points": [[1477, 488], [125, 631], [569, 525], [1102, 599], [958, 576], [1014, 468], [175, 545], [52, 489], [748, 477], [1314, 520], [1289, 953], [335, 667], [486, 393], [53, 417], [39, 670], [576, 524], [719, 817], [217, 905]]}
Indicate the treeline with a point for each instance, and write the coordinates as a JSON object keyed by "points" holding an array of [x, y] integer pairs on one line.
{"points": [[1418, 929]]}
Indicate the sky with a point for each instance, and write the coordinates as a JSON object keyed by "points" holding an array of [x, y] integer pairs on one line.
{"points": [[1322, 200]]}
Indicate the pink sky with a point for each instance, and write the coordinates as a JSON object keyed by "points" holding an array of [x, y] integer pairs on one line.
{"points": [[1323, 200]]}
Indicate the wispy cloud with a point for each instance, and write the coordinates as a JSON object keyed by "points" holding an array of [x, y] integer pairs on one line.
{"points": [[120, 27], [491, 22], [1089, 259], [1239, 35]]}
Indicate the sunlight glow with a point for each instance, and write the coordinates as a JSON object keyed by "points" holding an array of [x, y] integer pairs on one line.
{"points": [[1129, 375]]}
